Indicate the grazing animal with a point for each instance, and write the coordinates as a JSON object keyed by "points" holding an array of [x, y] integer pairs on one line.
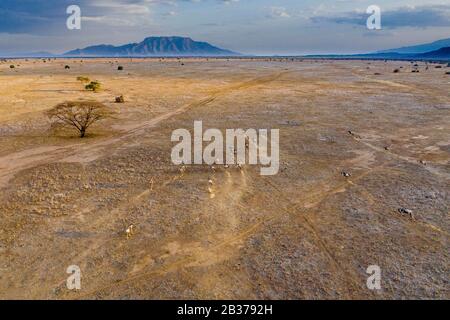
{"points": [[130, 231], [406, 211]]}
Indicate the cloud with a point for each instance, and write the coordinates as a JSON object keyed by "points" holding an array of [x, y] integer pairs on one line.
{"points": [[279, 12], [49, 16], [415, 17]]}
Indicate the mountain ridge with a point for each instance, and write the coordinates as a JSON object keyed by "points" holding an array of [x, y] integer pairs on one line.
{"points": [[418, 49], [154, 46]]}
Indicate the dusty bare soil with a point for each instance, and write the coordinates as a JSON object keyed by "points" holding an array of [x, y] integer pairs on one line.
{"points": [[308, 232]]}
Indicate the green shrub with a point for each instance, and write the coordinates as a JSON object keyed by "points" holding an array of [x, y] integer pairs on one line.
{"points": [[94, 86], [83, 79]]}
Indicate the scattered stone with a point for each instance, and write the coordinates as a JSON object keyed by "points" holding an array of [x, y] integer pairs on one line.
{"points": [[423, 162], [346, 174]]}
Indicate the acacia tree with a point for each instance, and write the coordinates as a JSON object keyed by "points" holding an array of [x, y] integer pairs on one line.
{"points": [[78, 114]]}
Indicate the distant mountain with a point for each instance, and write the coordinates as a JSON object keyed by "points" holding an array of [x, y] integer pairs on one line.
{"points": [[42, 54], [438, 50], [443, 53], [154, 46], [423, 48]]}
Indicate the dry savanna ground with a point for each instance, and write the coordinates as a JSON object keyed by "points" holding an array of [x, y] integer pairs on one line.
{"points": [[308, 232]]}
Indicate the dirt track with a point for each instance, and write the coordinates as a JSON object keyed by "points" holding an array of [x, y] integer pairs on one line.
{"points": [[308, 232]]}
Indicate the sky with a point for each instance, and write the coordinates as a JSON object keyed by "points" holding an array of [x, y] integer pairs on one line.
{"points": [[264, 27]]}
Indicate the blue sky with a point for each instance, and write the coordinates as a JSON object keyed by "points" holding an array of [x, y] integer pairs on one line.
{"points": [[247, 26]]}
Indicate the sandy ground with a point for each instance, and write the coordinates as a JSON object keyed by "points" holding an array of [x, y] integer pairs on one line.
{"points": [[306, 233]]}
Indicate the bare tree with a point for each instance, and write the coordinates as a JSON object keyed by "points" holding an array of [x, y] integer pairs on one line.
{"points": [[79, 114]]}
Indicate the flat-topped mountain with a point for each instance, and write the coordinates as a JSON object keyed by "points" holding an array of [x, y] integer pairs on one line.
{"points": [[155, 46]]}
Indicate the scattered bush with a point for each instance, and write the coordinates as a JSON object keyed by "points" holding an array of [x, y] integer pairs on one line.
{"points": [[120, 99], [94, 86], [79, 115], [83, 79]]}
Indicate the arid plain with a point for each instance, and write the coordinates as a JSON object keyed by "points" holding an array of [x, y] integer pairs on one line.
{"points": [[309, 232]]}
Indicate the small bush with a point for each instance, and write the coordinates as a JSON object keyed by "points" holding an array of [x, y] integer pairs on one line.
{"points": [[120, 68], [83, 79], [12, 66], [438, 67], [396, 70], [67, 67], [120, 99], [448, 73], [94, 86]]}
